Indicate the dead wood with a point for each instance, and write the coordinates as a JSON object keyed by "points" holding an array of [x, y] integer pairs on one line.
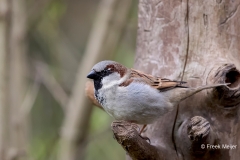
{"points": [[135, 145]]}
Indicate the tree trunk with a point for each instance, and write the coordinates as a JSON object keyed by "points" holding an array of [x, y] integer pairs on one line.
{"points": [[3, 79], [195, 41], [18, 123]]}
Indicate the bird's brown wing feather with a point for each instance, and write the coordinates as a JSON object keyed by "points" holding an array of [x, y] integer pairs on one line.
{"points": [[162, 84]]}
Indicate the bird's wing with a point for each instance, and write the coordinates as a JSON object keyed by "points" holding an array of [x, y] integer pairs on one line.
{"points": [[162, 84]]}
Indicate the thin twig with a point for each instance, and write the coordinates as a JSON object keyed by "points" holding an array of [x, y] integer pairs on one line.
{"points": [[51, 84], [30, 98]]}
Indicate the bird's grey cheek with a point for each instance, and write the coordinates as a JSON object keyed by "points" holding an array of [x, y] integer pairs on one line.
{"points": [[114, 77]]}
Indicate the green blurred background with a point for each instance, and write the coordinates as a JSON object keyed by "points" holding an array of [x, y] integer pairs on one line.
{"points": [[57, 35], [44, 43]]}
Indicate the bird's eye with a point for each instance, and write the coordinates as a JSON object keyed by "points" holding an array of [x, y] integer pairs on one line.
{"points": [[105, 71]]}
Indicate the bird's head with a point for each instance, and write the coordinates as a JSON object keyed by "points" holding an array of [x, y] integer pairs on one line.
{"points": [[107, 73]]}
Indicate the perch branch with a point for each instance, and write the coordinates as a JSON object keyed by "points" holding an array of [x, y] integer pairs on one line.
{"points": [[137, 147]]}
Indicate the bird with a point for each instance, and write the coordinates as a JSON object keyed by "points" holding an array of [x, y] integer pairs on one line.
{"points": [[134, 96]]}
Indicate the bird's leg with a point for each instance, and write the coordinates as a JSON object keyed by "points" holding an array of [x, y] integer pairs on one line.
{"points": [[140, 131], [144, 126], [136, 126], [146, 138], [126, 124]]}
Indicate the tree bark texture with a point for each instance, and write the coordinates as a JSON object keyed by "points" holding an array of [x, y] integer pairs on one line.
{"points": [[195, 41]]}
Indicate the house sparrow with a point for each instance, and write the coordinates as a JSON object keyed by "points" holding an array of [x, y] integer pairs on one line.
{"points": [[131, 95]]}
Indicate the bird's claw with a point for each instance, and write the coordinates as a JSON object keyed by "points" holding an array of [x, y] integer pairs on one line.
{"points": [[126, 125], [145, 138]]}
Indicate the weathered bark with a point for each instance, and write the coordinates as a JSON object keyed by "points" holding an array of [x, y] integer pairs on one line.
{"points": [[198, 42]]}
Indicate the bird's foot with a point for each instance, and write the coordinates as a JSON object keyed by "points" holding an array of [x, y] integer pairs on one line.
{"points": [[124, 124], [143, 130], [145, 138], [127, 125]]}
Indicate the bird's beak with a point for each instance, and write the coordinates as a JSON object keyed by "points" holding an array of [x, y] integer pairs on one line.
{"points": [[92, 75]]}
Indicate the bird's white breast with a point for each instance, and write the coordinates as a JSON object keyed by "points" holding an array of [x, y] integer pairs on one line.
{"points": [[136, 102]]}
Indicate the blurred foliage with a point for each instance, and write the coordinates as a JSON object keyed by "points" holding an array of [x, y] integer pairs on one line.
{"points": [[46, 119], [58, 37]]}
